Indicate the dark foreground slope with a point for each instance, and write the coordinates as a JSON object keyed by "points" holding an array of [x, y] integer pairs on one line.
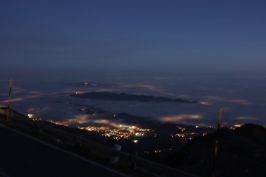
{"points": [[241, 153], [22, 155]]}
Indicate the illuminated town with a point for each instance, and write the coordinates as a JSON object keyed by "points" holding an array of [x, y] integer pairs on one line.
{"points": [[122, 131], [138, 135]]}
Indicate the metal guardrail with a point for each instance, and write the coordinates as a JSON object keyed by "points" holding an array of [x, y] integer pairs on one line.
{"points": [[142, 163]]}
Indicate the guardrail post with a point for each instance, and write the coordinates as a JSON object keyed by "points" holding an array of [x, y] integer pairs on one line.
{"points": [[80, 140], [216, 141], [134, 165], [74, 140], [8, 115], [115, 159], [38, 127], [8, 112]]}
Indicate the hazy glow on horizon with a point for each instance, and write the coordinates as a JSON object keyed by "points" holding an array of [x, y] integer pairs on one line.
{"points": [[50, 100], [180, 118]]}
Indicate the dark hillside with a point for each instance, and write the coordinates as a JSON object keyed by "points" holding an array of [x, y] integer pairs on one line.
{"points": [[254, 132], [240, 153]]}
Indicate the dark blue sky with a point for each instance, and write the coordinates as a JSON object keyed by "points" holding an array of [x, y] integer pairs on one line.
{"points": [[131, 34]]}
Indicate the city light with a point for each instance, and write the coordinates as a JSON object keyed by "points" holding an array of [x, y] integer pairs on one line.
{"points": [[30, 115], [121, 131]]}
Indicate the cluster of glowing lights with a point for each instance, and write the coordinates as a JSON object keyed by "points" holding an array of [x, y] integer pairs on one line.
{"points": [[158, 150], [181, 128], [237, 125], [121, 131], [185, 135], [205, 103], [30, 116]]}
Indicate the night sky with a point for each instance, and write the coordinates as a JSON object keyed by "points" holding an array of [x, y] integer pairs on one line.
{"points": [[134, 34], [213, 52]]}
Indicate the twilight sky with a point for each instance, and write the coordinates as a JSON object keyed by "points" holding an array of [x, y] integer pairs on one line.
{"points": [[145, 34]]}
